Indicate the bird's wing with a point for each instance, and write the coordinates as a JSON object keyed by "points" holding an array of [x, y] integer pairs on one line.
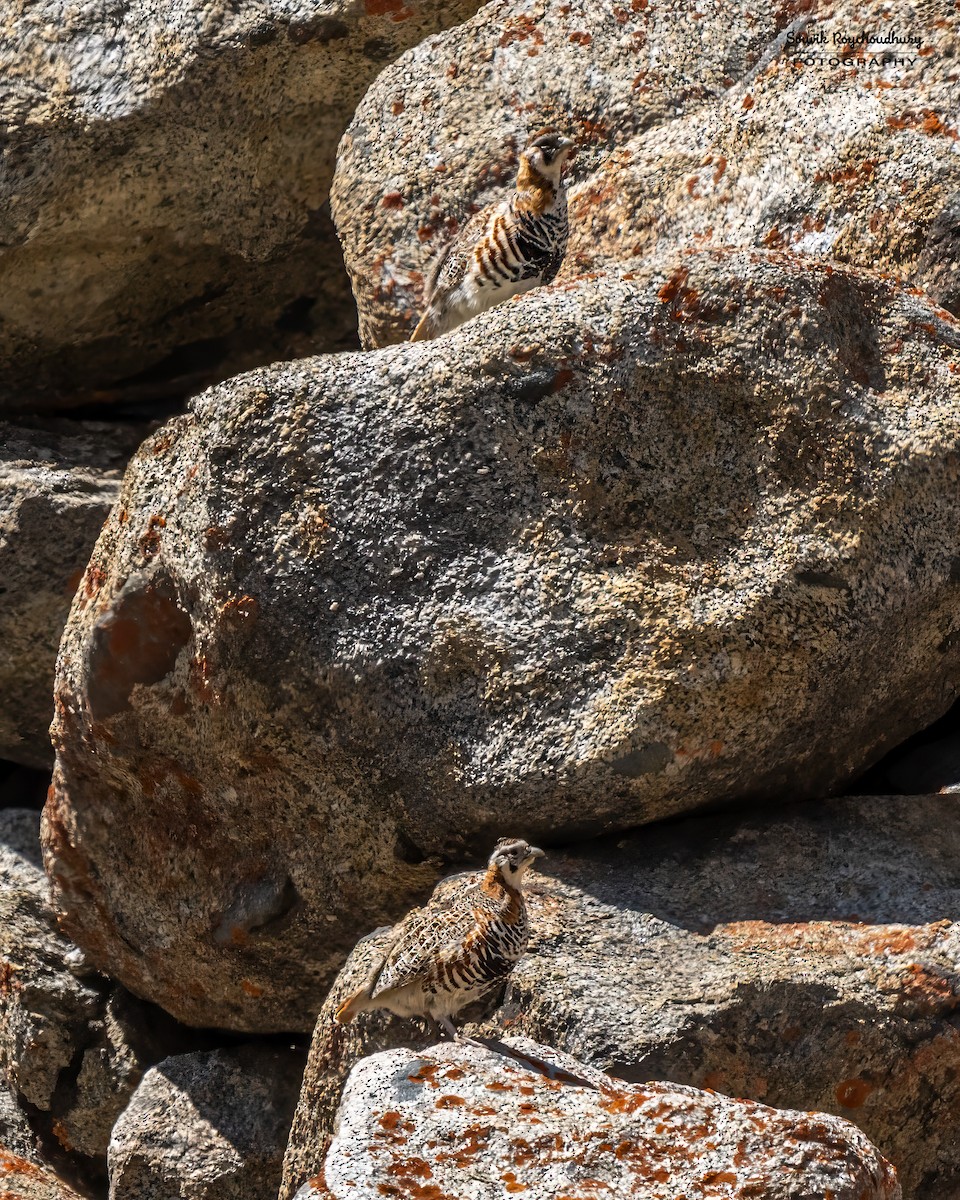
{"points": [[450, 265], [427, 933]]}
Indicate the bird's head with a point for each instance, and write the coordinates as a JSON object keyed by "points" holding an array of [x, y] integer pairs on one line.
{"points": [[511, 857], [546, 154]]}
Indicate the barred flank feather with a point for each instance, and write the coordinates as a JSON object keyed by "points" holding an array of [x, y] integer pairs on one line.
{"points": [[506, 249], [463, 942]]}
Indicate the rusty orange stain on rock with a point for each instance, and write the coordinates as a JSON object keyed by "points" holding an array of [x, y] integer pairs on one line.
{"points": [[395, 9], [150, 540], [241, 610], [252, 989], [12, 1164], [425, 1075], [518, 29], [852, 1093]]}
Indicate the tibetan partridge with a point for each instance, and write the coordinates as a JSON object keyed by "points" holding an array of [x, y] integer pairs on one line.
{"points": [[507, 248], [465, 940]]}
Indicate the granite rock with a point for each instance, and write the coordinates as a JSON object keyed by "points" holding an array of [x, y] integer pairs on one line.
{"points": [[165, 172], [462, 1121], [21, 1179], [58, 480], [207, 1127], [806, 960], [610, 552], [718, 128], [72, 1046]]}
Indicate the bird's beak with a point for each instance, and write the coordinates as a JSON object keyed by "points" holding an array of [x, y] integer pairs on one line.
{"points": [[535, 852]]}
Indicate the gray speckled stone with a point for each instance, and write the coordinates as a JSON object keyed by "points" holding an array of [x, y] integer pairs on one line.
{"points": [[807, 960], [207, 1127], [72, 1046], [22, 1179], [165, 172], [461, 1121], [610, 552], [694, 128], [57, 482]]}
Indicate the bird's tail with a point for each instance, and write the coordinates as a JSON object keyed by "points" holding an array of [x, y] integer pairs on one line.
{"points": [[424, 329], [357, 1003]]}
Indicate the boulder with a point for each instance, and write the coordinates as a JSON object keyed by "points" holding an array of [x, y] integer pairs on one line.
{"points": [[165, 177], [461, 1117], [720, 128], [806, 960], [207, 1127], [21, 1179], [611, 552], [16, 1136], [72, 1046], [58, 480]]}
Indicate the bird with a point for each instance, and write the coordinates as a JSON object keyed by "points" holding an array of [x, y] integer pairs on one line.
{"points": [[508, 247], [464, 941]]}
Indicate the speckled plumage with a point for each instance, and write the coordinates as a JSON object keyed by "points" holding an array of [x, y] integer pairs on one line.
{"points": [[463, 942], [507, 248]]}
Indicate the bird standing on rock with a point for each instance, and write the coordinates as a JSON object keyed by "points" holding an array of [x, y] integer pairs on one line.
{"points": [[465, 940], [507, 248]]}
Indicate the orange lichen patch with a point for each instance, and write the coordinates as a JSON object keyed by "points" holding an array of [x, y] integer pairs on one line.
{"points": [[149, 542], [927, 121], [94, 580], [61, 1133], [396, 10], [449, 1101], [12, 1164], [474, 1140], [518, 29], [832, 937], [712, 1178], [215, 537], [773, 238], [390, 1120], [425, 1075], [397, 107], [580, 39], [852, 1093], [719, 169], [454, 1073], [928, 990], [511, 1182], [747, 101], [675, 292], [391, 200], [251, 989], [417, 1167], [241, 610]]}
